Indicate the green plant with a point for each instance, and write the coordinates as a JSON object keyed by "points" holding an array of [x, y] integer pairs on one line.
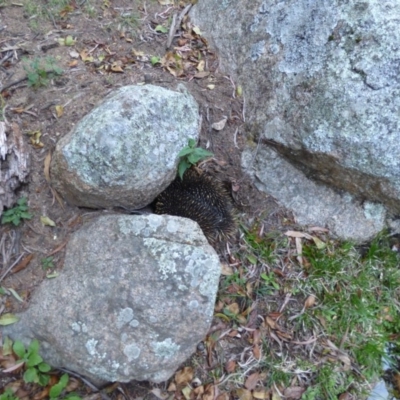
{"points": [[155, 60], [36, 369], [190, 155], [8, 395], [47, 263], [17, 213], [40, 71], [57, 389]]}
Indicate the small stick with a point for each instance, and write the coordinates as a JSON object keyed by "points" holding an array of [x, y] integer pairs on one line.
{"points": [[171, 33]]}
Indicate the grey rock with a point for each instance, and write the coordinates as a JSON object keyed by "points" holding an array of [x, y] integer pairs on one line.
{"points": [[313, 203], [321, 84], [135, 296], [124, 152]]}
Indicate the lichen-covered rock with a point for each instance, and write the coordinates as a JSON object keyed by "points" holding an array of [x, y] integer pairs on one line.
{"points": [[134, 298], [321, 81], [313, 203], [124, 152]]}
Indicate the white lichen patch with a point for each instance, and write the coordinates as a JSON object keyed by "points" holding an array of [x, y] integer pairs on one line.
{"points": [[165, 253], [132, 351], [165, 349], [91, 347], [125, 316]]}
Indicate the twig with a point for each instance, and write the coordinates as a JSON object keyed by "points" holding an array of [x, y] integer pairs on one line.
{"points": [[12, 266], [176, 24], [86, 382], [183, 13], [171, 33], [13, 83], [234, 138]]}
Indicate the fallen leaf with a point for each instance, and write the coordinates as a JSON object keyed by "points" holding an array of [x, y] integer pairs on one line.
{"points": [[230, 366], [256, 352], [116, 68], [261, 394], [200, 66], [15, 294], [186, 391], [198, 391], [272, 324], [85, 57], [47, 221], [299, 249], [53, 275], [47, 162], [184, 376], [276, 396], [22, 264], [310, 301], [244, 394], [73, 64], [74, 54], [166, 2], [294, 392], [159, 394], [218, 126], [59, 111], [319, 243], [239, 90], [251, 381], [226, 270], [234, 308], [171, 387], [201, 75], [223, 396], [14, 367], [318, 229], [208, 393], [296, 234], [8, 319], [67, 41], [196, 30]]}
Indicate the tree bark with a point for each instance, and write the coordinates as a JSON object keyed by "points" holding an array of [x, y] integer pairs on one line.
{"points": [[14, 163]]}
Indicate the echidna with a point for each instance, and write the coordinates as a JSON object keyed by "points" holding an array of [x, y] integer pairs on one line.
{"points": [[198, 197]]}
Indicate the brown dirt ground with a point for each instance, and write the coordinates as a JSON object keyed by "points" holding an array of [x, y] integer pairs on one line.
{"points": [[120, 36]]}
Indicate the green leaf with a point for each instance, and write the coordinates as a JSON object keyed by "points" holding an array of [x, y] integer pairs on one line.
{"points": [[34, 346], [160, 28], [44, 367], [202, 152], [192, 143], [2, 290], [7, 346], [19, 349], [154, 60], [16, 220], [26, 215], [185, 151], [8, 319], [194, 158], [252, 259], [182, 167], [15, 294], [56, 390], [33, 360], [43, 379], [22, 201], [31, 375]]}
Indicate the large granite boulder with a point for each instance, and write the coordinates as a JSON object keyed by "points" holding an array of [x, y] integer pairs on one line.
{"points": [[124, 152], [135, 296], [321, 85]]}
